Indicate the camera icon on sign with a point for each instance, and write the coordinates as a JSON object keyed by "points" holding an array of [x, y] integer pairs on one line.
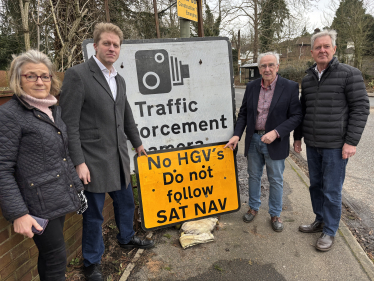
{"points": [[158, 72]]}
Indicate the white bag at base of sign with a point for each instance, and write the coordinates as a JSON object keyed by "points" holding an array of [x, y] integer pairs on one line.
{"points": [[197, 232], [199, 226], [188, 240]]}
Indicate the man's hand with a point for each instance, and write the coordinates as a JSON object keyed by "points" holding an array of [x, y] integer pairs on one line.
{"points": [[348, 151], [297, 146], [139, 150], [269, 137], [24, 224], [83, 173], [233, 142]]}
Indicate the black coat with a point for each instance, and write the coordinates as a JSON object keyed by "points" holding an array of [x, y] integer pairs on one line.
{"points": [[335, 109], [284, 115], [36, 174]]}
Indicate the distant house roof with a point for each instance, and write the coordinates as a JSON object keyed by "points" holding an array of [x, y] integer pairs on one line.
{"points": [[249, 65], [305, 40]]}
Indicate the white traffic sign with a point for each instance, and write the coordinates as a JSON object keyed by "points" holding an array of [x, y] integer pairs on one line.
{"points": [[180, 90]]}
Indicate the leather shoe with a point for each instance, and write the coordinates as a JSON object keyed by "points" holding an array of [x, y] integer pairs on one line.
{"points": [[316, 226], [250, 215], [93, 273], [324, 242], [136, 242], [276, 224]]}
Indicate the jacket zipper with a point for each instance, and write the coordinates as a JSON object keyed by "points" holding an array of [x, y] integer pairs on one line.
{"points": [[314, 109], [317, 94]]}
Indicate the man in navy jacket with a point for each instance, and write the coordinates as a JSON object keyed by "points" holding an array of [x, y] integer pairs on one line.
{"points": [[270, 110]]}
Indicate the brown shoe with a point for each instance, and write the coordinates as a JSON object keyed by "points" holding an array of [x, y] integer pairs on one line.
{"points": [[316, 226], [276, 224], [250, 215], [324, 242]]}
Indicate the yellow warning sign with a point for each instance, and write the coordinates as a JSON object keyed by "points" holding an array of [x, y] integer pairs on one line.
{"points": [[187, 9], [185, 184]]}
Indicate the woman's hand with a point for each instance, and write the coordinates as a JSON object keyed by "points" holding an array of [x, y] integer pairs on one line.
{"points": [[24, 224]]}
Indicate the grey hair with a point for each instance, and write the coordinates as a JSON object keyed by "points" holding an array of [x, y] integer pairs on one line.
{"points": [[332, 33], [260, 56], [31, 56]]}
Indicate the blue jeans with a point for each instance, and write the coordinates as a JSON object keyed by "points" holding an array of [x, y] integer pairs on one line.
{"points": [[258, 156], [92, 238], [326, 173]]}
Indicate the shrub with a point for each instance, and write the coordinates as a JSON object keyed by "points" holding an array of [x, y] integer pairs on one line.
{"points": [[294, 70]]}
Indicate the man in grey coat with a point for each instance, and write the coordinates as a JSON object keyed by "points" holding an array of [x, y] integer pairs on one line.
{"points": [[99, 121]]}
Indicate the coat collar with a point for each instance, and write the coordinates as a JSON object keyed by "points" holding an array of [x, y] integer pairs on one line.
{"points": [[99, 76], [55, 109], [277, 93], [21, 101], [331, 64], [26, 104]]}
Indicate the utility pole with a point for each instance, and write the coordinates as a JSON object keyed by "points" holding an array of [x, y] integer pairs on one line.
{"points": [[238, 47], [156, 19], [239, 60], [200, 18], [107, 10]]}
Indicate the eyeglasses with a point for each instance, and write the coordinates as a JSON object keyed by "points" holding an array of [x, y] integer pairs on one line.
{"points": [[34, 78], [270, 65]]}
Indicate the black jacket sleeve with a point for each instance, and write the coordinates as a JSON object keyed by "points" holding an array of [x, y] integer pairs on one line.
{"points": [[11, 200]]}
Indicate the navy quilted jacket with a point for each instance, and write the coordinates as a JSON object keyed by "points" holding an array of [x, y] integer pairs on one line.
{"points": [[37, 175]]}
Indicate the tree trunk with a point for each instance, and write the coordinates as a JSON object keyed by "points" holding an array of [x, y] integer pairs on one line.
{"points": [[256, 33], [25, 21]]}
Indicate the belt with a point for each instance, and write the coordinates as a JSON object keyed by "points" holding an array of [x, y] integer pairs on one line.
{"points": [[260, 132]]}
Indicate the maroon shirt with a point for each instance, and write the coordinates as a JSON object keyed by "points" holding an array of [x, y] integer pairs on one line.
{"points": [[264, 101]]}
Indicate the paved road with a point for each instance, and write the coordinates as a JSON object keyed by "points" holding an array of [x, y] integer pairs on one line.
{"points": [[359, 182], [239, 94]]}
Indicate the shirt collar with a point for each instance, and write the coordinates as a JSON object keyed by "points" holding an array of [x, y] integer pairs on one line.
{"points": [[316, 69], [272, 85], [102, 67]]}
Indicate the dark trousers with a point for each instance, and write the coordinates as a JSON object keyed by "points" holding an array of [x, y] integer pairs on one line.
{"points": [[92, 238], [327, 173], [52, 253]]}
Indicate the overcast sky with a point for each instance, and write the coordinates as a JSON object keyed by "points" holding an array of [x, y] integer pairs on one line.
{"points": [[316, 14]]}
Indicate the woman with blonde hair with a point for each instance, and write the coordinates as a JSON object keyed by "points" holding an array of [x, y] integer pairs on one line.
{"points": [[38, 182]]}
